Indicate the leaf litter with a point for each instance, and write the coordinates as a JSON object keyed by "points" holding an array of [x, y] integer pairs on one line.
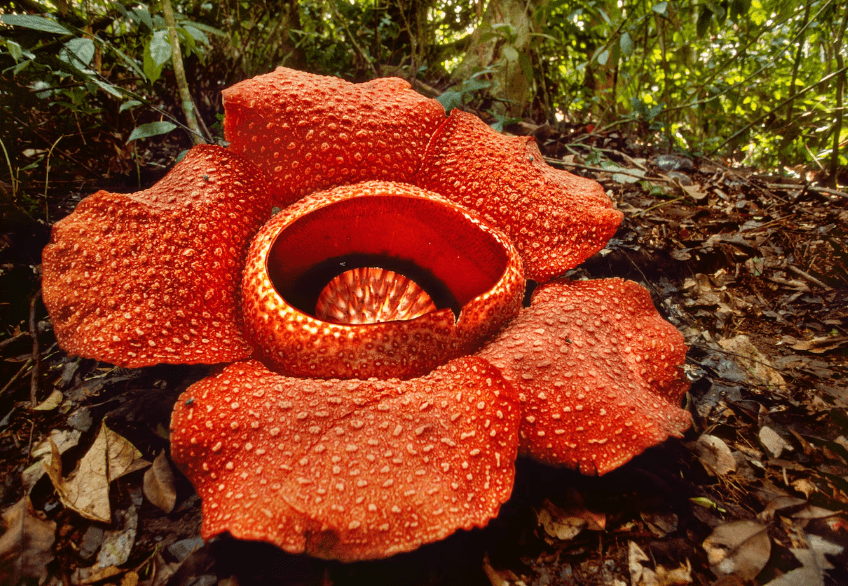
{"points": [[751, 267]]}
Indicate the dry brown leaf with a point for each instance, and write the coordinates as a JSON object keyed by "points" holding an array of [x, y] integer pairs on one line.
{"points": [[642, 576], [565, 524], [818, 345], [694, 191], [781, 503], [25, 547], [95, 574], [758, 366], [660, 524], [741, 548], [558, 524], [814, 564], [713, 454], [86, 490], [773, 442], [51, 402], [159, 486], [64, 439]]}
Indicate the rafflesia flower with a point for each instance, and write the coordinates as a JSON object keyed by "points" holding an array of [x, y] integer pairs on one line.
{"points": [[383, 374]]}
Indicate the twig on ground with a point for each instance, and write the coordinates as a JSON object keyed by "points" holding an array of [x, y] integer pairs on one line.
{"points": [[36, 351], [15, 378], [809, 277], [8, 341]]}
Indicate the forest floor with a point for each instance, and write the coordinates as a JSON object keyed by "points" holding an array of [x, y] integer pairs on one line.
{"points": [[749, 266]]}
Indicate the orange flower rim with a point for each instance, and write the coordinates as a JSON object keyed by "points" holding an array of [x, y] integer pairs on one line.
{"points": [[382, 374]]}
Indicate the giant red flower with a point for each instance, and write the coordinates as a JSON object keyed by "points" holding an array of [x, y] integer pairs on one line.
{"points": [[384, 374]]}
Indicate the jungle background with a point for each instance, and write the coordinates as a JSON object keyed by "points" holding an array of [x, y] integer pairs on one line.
{"points": [[715, 125]]}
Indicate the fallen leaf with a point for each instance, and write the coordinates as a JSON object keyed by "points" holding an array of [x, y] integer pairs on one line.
{"points": [[94, 574], [741, 548], [117, 545], [63, 439], [694, 191], [661, 576], [25, 547], [660, 524], [713, 454], [51, 402], [773, 442], [159, 487], [813, 512], [814, 563], [819, 345], [557, 523], [758, 366], [781, 503], [86, 490]]}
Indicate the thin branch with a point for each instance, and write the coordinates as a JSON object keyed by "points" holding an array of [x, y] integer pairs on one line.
{"points": [[179, 72], [17, 376], [36, 351]]}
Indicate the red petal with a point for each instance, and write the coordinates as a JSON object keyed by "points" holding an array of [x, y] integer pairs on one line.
{"points": [[556, 219], [598, 372], [350, 470], [476, 263], [153, 277], [310, 132]]}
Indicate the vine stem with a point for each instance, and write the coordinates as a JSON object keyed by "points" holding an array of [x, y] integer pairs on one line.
{"points": [[179, 73]]}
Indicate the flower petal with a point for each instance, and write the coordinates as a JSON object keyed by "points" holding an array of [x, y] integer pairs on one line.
{"points": [[598, 372], [154, 276], [556, 219], [350, 470], [384, 222], [311, 132]]}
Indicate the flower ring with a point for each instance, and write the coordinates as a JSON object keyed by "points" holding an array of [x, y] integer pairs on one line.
{"points": [[383, 374]]}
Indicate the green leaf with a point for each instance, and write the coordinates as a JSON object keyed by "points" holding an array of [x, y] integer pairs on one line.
{"points": [[15, 50], [151, 129], [81, 49], [142, 15], [128, 105], [35, 23], [626, 43], [450, 99], [156, 54], [661, 8], [603, 57], [206, 28], [739, 8], [197, 34], [151, 70], [108, 88], [474, 85], [159, 47], [131, 62]]}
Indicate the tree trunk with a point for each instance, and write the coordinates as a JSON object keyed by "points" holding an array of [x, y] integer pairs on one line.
{"points": [[507, 53]]}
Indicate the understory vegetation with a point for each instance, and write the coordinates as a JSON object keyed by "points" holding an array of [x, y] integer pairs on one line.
{"points": [[756, 82]]}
